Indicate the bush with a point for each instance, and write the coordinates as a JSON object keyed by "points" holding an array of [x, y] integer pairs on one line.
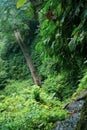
{"points": [[61, 86], [27, 107], [83, 83], [3, 79]]}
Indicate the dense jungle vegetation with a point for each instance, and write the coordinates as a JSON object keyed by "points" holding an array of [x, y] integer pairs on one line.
{"points": [[43, 61]]}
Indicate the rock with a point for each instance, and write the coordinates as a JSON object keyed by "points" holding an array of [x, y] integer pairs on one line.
{"points": [[74, 111], [82, 123], [75, 105], [82, 96], [74, 121]]}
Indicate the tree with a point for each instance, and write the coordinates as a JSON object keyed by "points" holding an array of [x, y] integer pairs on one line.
{"points": [[27, 57], [12, 22]]}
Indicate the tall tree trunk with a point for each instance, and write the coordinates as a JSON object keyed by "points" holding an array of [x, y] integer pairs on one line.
{"points": [[27, 57]]}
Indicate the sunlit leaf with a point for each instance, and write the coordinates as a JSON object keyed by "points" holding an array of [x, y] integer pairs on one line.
{"points": [[21, 3]]}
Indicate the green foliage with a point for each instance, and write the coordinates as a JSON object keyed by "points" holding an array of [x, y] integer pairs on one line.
{"points": [[30, 11], [3, 79], [48, 68], [55, 41], [21, 3], [16, 86], [83, 83], [61, 86], [21, 108], [61, 58], [13, 62], [15, 66], [82, 86], [3, 75]]}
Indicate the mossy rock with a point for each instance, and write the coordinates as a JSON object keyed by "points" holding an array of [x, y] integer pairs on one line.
{"points": [[82, 123]]}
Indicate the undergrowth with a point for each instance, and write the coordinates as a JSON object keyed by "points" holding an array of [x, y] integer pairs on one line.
{"points": [[28, 107]]}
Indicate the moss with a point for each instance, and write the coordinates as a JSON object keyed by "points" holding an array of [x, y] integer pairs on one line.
{"points": [[82, 123]]}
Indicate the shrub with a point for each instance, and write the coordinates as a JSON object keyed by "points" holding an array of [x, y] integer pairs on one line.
{"points": [[3, 79], [61, 86], [27, 107], [83, 83]]}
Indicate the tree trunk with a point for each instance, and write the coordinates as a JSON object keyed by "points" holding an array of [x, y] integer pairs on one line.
{"points": [[27, 57]]}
